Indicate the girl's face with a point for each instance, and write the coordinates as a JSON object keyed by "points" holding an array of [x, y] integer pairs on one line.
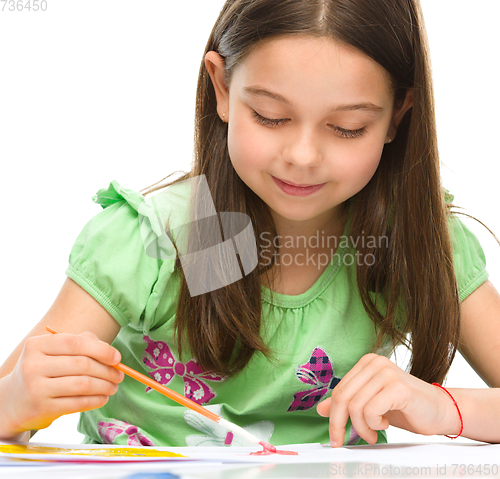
{"points": [[306, 111]]}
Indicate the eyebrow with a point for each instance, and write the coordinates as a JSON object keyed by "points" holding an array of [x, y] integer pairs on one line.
{"points": [[258, 91]]}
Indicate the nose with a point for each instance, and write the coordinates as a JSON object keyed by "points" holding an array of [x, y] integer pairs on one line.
{"points": [[303, 149]]}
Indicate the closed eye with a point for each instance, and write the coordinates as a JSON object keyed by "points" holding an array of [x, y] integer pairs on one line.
{"points": [[267, 121], [274, 123]]}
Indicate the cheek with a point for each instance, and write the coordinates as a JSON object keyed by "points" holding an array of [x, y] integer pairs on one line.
{"points": [[359, 165], [246, 148]]}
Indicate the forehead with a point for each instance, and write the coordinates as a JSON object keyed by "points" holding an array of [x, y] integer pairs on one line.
{"points": [[304, 67]]}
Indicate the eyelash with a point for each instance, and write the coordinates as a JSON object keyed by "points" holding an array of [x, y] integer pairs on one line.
{"points": [[274, 123]]}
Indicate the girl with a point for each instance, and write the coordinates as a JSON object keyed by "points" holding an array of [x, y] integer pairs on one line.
{"points": [[315, 120]]}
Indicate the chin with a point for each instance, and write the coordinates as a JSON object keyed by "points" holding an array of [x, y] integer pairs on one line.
{"points": [[293, 216]]}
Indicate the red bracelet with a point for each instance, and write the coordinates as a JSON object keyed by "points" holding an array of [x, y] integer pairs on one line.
{"points": [[459, 413]]}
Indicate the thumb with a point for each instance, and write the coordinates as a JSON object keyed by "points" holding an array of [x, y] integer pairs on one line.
{"points": [[323, 408]]}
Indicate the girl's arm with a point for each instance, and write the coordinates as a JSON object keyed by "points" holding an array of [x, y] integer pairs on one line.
{"points": [[480, 333], [376, 393], [48, 375], [480, 346]]}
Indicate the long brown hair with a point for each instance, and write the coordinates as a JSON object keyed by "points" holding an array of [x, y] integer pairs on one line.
{"points": [[411, 287]]}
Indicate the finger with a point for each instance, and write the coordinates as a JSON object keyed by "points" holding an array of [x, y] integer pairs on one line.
{"points": [[61, 366], [339, 415], [366, 408], [364, 361], [89, 334], [344, 392], [80, 345], [44, 412], [71, 386], [381, 404], [323, 408], [70, 405]]}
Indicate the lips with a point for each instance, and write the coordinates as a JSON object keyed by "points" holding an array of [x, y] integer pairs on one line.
{"points": [[296, 184], [297, 190]]}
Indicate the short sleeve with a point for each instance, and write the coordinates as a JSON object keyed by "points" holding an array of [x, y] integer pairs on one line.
{"points": [[468, 255], [109, 259]]}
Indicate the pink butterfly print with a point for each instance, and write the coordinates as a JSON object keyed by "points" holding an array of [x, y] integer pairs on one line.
{"points": [[318, 372], [110, 430], [160, 359]]}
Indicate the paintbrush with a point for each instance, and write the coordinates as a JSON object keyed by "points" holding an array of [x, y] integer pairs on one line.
{"points": [[179, 398]]}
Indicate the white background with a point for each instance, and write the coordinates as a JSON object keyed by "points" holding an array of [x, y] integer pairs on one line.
{"points": [[94, 91]]}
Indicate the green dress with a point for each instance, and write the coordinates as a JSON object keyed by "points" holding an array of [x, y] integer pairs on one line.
{"points": [[123, 259]]}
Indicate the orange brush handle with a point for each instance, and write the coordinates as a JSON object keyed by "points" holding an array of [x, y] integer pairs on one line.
{"points": [[179, 398]]}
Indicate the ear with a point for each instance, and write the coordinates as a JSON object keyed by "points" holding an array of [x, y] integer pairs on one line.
{"points": [[399, 113], [214, 64]]}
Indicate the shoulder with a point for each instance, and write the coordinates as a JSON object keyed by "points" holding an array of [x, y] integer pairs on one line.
{"points": [[128, 217], [121, 253]]}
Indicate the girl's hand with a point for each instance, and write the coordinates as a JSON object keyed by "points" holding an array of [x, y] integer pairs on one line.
{"points": [[376, 393], [56, 375]]}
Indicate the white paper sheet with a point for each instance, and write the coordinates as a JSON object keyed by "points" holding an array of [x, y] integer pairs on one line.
{"points": [[400, 454]]}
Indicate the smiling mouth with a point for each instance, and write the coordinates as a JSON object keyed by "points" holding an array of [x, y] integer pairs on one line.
{"points": [[297, 190], [298, 185]]}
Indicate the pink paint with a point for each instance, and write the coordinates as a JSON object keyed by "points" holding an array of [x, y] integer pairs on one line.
{"points": [[270, 449]]}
